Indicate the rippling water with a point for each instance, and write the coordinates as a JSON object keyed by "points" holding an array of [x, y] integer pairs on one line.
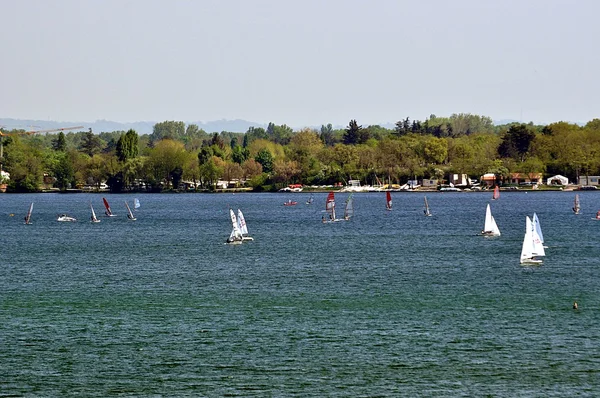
{"points": [[388, 304]]}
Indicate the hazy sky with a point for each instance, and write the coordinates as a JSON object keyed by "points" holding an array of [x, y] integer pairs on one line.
{"points": [[303, 62]]}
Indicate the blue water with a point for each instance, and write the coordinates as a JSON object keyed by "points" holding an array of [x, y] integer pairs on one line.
{"points": [[388, 304]]}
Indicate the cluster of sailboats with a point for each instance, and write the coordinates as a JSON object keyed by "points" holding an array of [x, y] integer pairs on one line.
{"points": [[533, 241], [330, 209], [94, 219]]}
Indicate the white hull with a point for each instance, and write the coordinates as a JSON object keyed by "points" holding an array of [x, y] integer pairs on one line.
{"points": [[65, 218], [531, 261]]}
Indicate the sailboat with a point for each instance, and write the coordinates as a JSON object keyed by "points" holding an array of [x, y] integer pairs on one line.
{"points": [[388, 200], [129, 213], [426, 211], [136, 204], [28, 216], [490, 228], [108, 212], [576, 206], [94, 218], [330, 207], [349, 209], [532, 245], [496, 194], [538, 228], [310, 200], [235, 238], [243, 227]]}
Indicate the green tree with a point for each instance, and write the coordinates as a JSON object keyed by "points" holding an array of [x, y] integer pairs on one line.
{"points": [[127, 146], [265, 158], [167, 129], [352, 135], [63, 172], [516, 142], [60, 144], [90, 143]]}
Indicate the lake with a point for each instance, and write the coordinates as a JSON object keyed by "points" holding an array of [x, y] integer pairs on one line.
{"points": [[390, 303]]}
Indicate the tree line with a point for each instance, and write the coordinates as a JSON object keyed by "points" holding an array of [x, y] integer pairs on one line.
{"points": [[267, 159]]}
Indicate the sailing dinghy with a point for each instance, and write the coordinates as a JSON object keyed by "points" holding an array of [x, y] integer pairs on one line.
{"points": [[243, 227], [94, 218], [235, 238], [532, 245], [490, 228], [129, 213], [576, 206], [28, 216], [388, 200], [108, 211], [310, 200], [136, 204], [426, 211]]}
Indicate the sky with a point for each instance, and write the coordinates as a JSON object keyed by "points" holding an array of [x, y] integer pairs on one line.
{"points": [[299, 62]]}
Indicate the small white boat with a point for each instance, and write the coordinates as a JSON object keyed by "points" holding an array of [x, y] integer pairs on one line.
{"points": [[130, 215], [532, 247], [66, 218], [235, 238], [490, 228], [243, 227], [28, 216]]}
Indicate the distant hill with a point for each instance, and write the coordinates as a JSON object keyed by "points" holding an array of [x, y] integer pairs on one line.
{"points": [[100, 126]]}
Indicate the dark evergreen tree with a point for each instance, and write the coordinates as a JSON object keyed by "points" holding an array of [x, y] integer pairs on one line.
{"points": [[352, 134], [59, 143]]}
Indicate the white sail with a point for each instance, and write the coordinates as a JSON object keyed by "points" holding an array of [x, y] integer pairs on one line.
{"points": [[136, 203], [427, 212], [537, 227], [28, 216], [236, 229], [349, 210], [94, 218], [129, 213], [490, 227], [242, 226], [532, 245], [242, 222]]}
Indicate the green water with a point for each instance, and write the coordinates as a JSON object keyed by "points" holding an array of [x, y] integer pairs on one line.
{"points": [[388, 304]]}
